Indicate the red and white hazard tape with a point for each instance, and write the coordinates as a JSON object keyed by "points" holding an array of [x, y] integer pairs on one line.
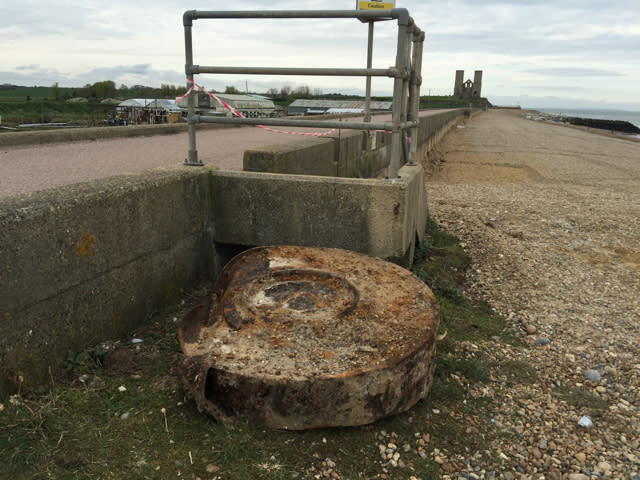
{"points": [[178, 99], [239, 114], [308, 134]]}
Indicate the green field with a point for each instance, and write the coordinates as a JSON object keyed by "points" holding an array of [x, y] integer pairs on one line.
{"points": [[21, 94], [17, 111]]}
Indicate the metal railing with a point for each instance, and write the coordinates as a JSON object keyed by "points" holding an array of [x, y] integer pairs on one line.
{"points": [[406, 74]]}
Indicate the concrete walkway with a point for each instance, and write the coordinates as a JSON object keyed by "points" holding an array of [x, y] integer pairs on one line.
{"points": [[25, 169]]}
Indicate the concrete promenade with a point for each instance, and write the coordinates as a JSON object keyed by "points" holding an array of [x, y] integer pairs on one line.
{"points": [[26, 169]]}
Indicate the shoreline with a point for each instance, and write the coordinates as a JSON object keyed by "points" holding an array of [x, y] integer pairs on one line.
{"points": [[561, 120]]}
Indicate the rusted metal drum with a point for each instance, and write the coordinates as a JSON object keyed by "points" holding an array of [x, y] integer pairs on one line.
{"points": [[299, 337]]}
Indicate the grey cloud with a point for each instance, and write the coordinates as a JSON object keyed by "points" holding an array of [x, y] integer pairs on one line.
{"points": [[556, 88], [528, 44], [133, 74], [118, 70], [595, 37], [575, 72], [35, 76], [128, 74]]}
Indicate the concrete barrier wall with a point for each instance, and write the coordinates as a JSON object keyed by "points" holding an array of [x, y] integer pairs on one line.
{"points": [[434, 127], [58, 135], [342, 154], [379, 218], [347, 153], [87, 262]]}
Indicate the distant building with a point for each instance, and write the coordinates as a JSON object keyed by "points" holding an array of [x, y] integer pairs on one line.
{"points": [[304, 106], [248, 105], [148, 110], [468, 89]]}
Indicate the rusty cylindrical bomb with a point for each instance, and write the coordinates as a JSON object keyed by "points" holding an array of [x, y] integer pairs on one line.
{"points": [[300, 337]]}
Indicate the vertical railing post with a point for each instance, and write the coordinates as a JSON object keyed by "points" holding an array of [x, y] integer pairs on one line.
{"points": [[405, 91], [192, 155], [367, 105], [416, 81], [399, 98]]}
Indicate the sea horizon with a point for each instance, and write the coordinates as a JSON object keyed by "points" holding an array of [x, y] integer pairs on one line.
{"points": [[603, 113]]}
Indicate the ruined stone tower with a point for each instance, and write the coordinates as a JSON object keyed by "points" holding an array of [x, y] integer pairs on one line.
{"points": [[457, 89], [468, 89], [477, 83]]}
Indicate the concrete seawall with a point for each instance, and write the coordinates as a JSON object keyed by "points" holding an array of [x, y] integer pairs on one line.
{"points": [[379, 218], [63, 135], [347, 153], [341, 154], [87, 262]]}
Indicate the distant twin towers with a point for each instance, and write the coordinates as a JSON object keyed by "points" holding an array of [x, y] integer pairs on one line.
{"points": [[468, 89]]}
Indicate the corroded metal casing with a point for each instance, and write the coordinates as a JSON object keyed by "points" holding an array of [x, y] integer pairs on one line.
{"points": [[299, 337]]}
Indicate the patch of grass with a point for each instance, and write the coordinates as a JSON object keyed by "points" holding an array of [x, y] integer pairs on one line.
{"points": [[105, 420], [75, 361], [516, 371], [440, 262], [33, 92], [464, 321], [472, 369], [581, 399], [440, 238]]}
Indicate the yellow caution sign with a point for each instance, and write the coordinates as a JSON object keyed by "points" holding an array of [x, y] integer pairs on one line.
{"points": [[375, 5]]}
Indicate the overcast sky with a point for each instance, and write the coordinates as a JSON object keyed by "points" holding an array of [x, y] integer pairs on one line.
{"points": [[535, 53]]}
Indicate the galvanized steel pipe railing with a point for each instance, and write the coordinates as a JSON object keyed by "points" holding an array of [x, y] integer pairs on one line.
{"points": [[406, 75], [414, 93]]}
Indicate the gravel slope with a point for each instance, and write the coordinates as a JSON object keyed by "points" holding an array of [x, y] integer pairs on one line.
{"points": [[551, 217]]}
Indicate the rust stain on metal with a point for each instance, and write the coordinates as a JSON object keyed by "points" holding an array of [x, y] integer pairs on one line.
{"points": [[299, 337]]}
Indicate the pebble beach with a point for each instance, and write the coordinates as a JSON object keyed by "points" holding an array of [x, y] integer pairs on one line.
{"points": [[550, 215]]}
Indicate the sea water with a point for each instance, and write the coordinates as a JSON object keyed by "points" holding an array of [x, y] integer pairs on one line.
{"points": [[626, 115]]}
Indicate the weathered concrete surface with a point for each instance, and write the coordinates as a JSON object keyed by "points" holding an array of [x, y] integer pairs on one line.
{"points": [[348, 153], [313, 156], [377, 217], [299, 337], [434, 127], [83, 263], [59, 135], [341, 154]]}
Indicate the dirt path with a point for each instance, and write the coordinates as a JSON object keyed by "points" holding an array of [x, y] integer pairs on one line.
{"points": [[551, 218]]}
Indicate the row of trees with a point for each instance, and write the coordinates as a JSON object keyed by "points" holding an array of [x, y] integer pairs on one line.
{"points": [[108, 89], [287, 92], [283, 95]]}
